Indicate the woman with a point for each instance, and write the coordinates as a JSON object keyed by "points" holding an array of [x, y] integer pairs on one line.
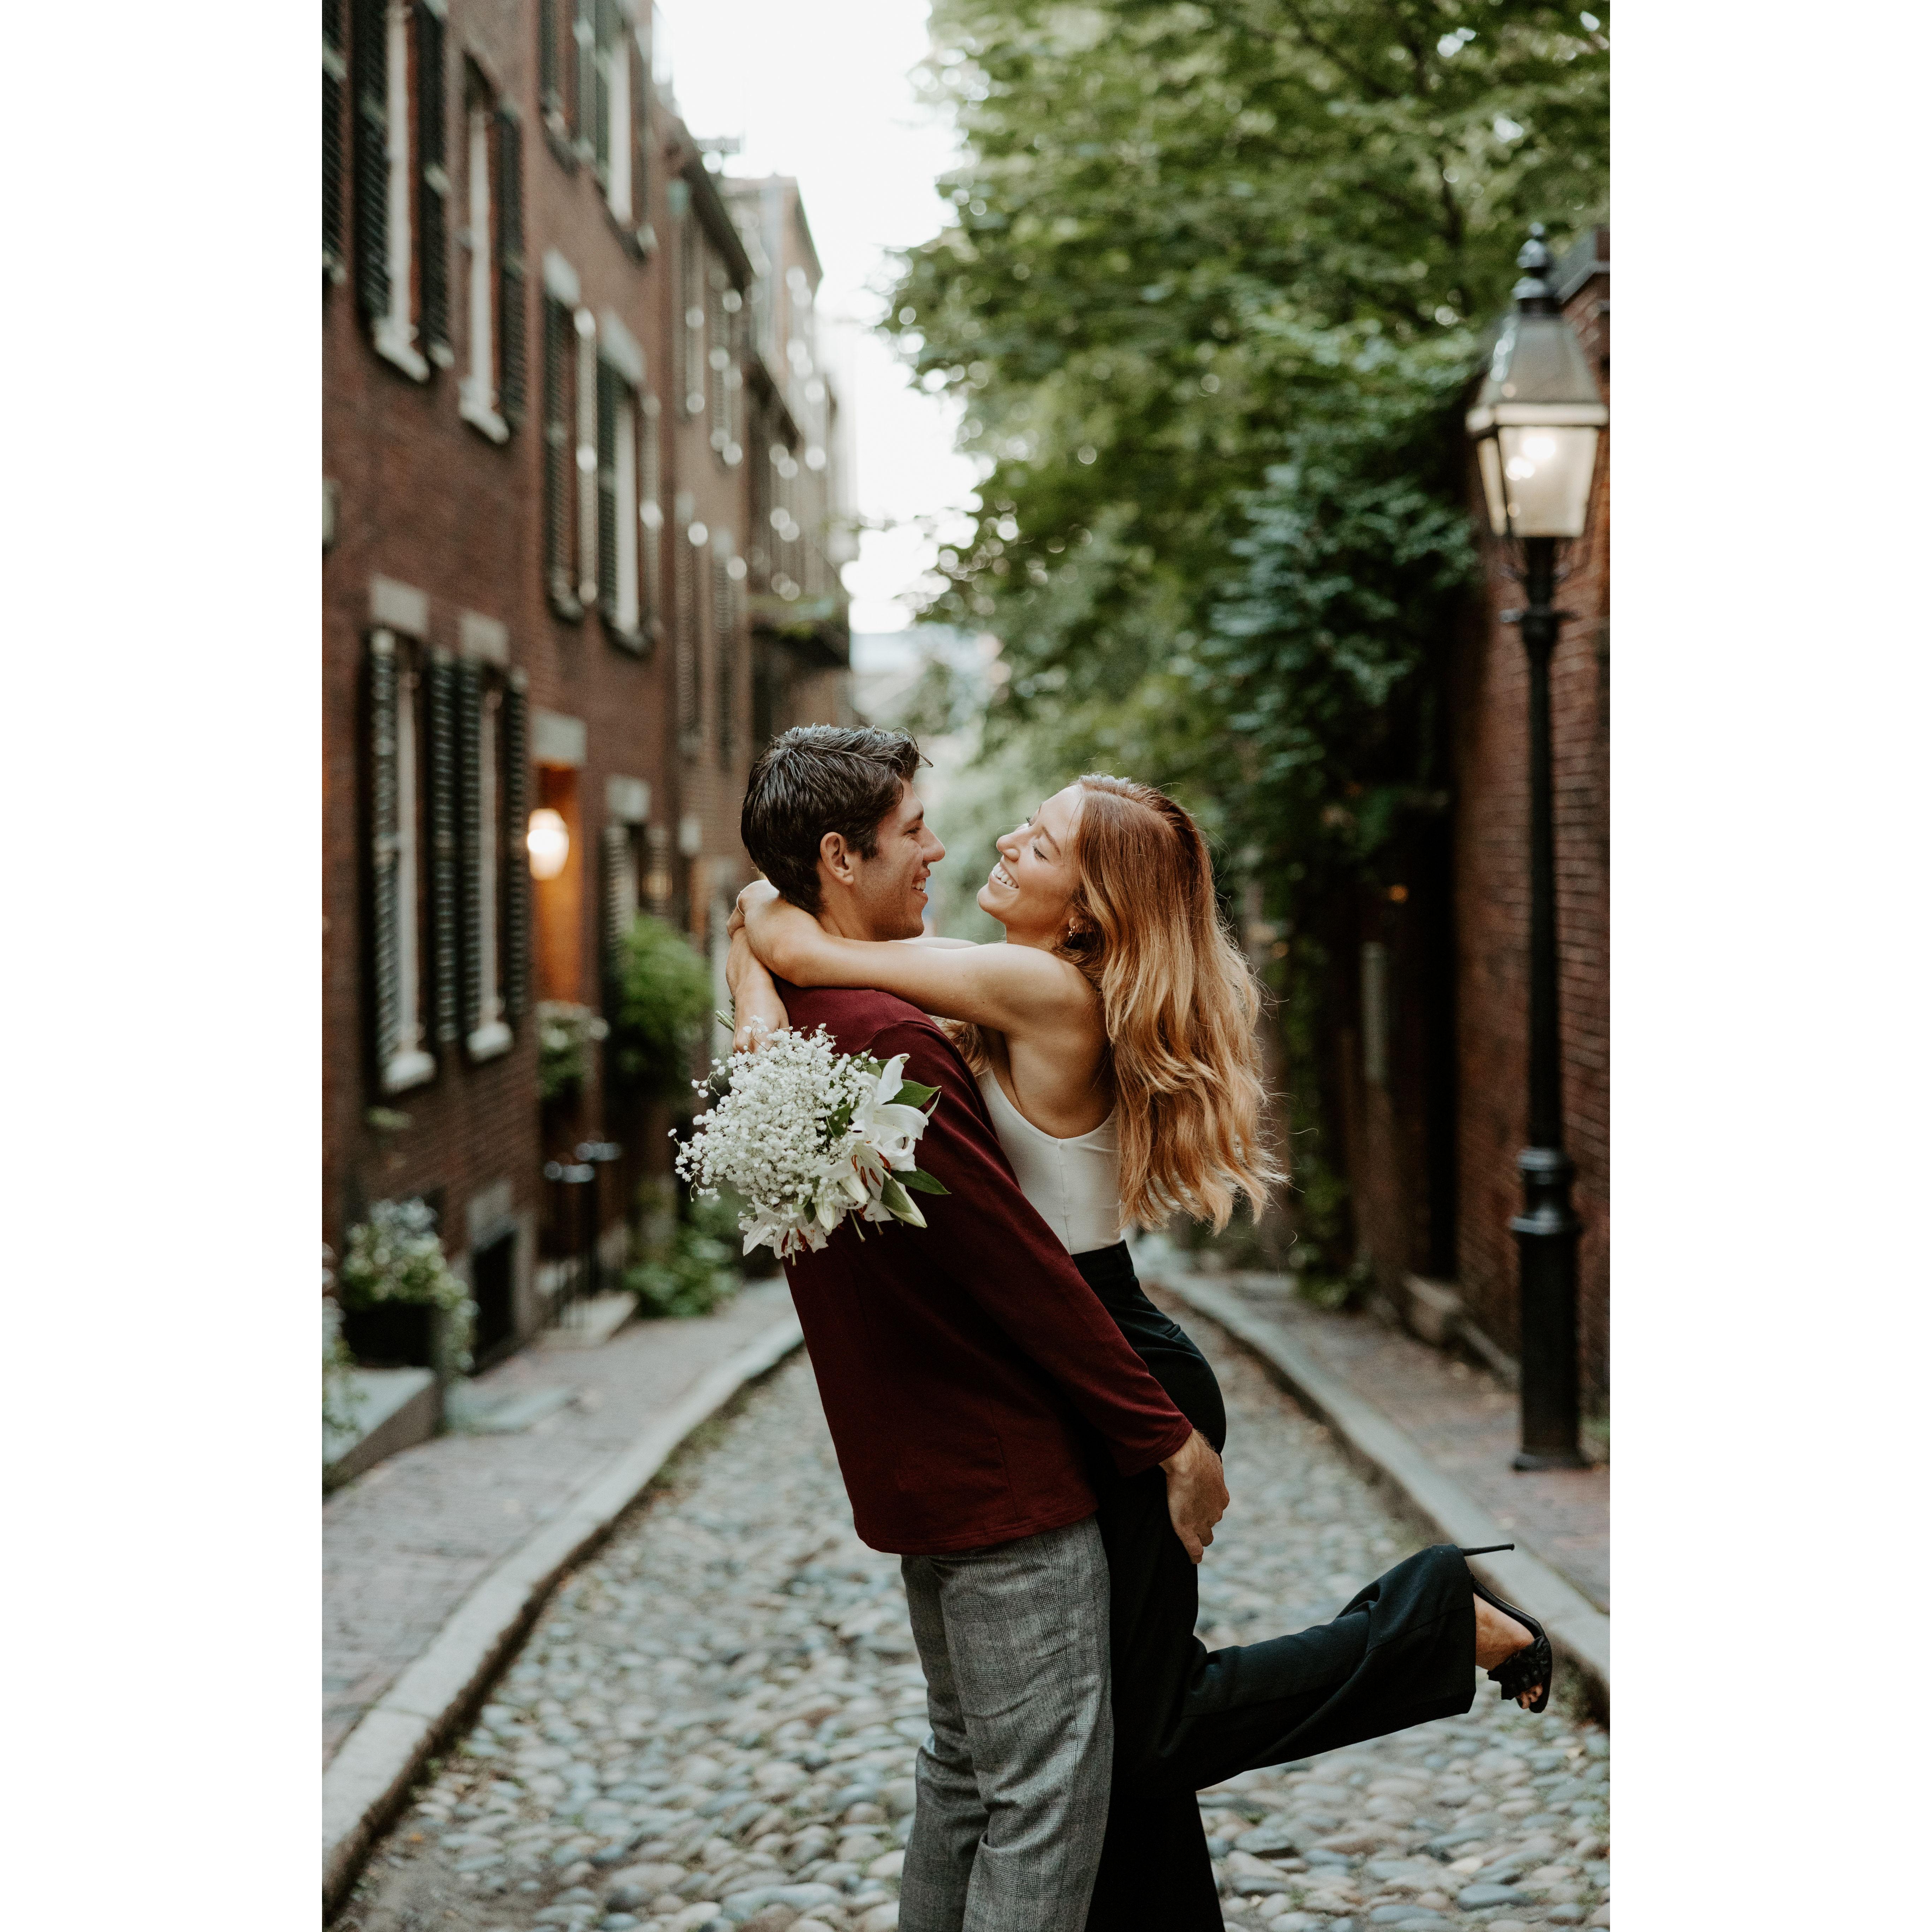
{"points": [[1113, 1035]]}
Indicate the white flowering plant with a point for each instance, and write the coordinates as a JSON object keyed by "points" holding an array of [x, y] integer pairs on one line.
{"points": [[396, 1255], [809, 1136]]}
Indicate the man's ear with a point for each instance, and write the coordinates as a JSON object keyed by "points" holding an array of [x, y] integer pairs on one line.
{"points": [[836, 856]]}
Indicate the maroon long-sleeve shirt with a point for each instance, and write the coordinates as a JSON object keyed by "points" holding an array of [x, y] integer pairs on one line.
{"points": [[952, 1360]]}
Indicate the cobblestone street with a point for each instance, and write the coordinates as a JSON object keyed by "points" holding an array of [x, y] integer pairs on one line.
{"points": [[713, 1724]]}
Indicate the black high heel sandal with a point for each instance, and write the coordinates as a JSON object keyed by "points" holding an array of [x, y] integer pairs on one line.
{"points": [[1533, 1665]]}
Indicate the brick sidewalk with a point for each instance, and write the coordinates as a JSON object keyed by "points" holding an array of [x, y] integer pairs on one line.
{"points": [[403, 1545], [1463, 1419]]}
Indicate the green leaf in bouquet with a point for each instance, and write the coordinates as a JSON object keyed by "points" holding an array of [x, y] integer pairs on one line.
{"points": [[900, 1202], [924, 1183], [913, 1093]]}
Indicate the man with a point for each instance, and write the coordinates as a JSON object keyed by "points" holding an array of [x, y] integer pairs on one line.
{"points": [[957, 1365]]}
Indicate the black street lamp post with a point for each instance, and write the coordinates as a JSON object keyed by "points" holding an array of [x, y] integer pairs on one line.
{"points": [[1536, 422]]}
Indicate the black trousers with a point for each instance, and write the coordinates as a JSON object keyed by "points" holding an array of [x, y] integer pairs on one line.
{"points": [[1402, 1651]]}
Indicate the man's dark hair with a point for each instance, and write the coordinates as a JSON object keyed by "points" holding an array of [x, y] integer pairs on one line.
{"points": [[817, 779]]}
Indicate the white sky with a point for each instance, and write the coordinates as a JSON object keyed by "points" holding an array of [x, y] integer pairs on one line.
{"points": [[820, 91]]}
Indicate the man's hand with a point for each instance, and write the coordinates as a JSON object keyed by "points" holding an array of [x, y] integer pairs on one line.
{"points": [[1197, 1497]]}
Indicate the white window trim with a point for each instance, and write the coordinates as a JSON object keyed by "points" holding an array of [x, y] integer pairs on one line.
{"points": [[396, 332], [410, 1065], [477, 403], [492, 1035]]}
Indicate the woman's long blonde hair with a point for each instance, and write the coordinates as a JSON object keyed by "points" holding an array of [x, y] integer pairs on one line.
{"points": [[1180, 1004]]}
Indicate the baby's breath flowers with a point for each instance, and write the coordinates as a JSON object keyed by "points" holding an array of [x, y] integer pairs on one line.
{"points": [[808, 1135]]}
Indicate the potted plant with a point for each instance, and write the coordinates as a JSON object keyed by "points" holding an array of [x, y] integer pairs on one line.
{"points": [[402, 1304]]}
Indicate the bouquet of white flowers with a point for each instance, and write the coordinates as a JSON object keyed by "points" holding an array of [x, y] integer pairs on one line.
{"points": [[808, 1136]]}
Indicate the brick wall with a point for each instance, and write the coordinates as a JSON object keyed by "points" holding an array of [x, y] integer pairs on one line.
{"points": [[423, 499]]}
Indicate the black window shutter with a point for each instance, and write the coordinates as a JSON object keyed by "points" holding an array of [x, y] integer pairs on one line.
{"points": [[608, 49], [620, 890], [515, 869], [384, 807], [369, 54], [334, 92], [469, 819], [559, 465], [432, 182], [589, 86], [511, 379], [640, 139], [445, 848], [607, 489], [549, 91]]}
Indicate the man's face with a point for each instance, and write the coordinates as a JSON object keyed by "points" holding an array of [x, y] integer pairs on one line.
{"points": [[888, 889]]}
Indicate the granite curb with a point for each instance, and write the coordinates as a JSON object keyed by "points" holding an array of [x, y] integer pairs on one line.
{"points": [[1579, 1631], [369, 1776]]}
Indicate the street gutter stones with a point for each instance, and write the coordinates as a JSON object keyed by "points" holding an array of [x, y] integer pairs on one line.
{"points": [[713, 1725]]}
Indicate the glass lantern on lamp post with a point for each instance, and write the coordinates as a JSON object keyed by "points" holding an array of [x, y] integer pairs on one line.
{"points": [[1535, 423]]}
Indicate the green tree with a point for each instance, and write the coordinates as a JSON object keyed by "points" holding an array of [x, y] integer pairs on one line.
{"points": [[1211, 286]]}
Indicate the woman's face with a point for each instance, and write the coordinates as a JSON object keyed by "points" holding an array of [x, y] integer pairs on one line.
{"points": [[1031, 888]]}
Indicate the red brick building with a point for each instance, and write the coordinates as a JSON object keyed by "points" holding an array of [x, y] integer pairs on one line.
{"points": [[1434, 1101], [543, 420]]}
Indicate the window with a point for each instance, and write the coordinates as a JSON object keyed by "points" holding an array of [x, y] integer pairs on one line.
{"points": [[684, 589], [570, 442], [690, 339], [627, 806], [450, 922], [486, 836], [493, 388], [403, 189], [610, 136], [650, 509], [402, 1059], [726, 380], [564, 29], [494, 895], [786, 560], [588, 576], [727, 571], [620, 374]]}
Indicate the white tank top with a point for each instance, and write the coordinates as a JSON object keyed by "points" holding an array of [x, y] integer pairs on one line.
{"points": [[1074, 1184]]}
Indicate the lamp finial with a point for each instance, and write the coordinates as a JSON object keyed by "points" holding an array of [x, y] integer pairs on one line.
{"points": [[1534, 295]]}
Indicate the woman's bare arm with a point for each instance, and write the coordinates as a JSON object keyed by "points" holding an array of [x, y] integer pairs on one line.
{"points": [[1009, 987], [756, 1011]]}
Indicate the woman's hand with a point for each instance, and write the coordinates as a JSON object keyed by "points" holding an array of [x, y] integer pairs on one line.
{"points": [[785, 938]]}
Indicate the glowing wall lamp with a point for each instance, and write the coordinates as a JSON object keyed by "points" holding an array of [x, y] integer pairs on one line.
{"points": [[548, 841], [1536, 417]]}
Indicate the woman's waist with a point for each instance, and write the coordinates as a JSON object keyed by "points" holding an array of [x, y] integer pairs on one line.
{"points": [[1109, 1273]]}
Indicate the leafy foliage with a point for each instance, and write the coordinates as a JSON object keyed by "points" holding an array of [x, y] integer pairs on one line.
{"points": [[698, 1269], [566, 1033], [396, 1255], [1209, 289], [662, 999]]}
